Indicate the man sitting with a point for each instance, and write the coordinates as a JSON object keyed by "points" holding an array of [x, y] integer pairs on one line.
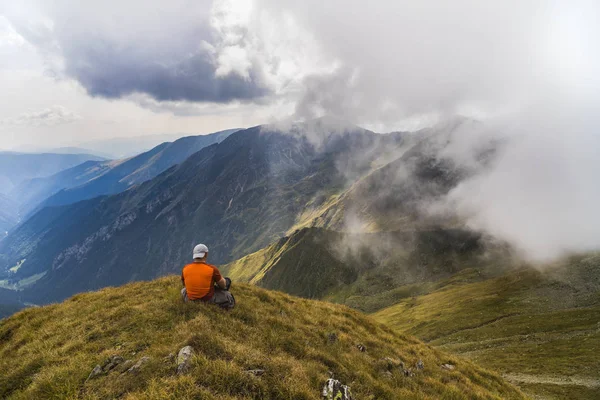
{"points": [[199, 279]]}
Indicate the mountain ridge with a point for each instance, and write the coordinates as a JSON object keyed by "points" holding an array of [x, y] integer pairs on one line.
{"points": [[112, 177], [271, 346], [255, 175]]}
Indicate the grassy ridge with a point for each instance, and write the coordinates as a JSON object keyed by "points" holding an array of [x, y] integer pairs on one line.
{"points": [[540, 329], [48, 352]]}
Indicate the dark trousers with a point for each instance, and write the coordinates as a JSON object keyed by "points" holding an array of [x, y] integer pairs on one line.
{"points": [[222, 298]]}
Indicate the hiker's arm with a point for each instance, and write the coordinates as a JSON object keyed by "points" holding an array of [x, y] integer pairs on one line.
{"points": [[218, 279], [222, 283], [182, 280]]}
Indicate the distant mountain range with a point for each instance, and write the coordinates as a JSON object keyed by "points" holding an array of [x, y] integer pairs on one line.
{"points": [[237, 195], [125, 147], [97, 178], [16, 168]]}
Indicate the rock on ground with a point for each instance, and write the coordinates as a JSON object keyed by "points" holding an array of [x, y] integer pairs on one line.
{"points": [[184, 359], [334, 390], [139, 365], [95, 372]]}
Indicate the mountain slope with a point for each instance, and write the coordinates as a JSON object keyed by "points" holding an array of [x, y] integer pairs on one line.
{"points": [[18, 167], [406, 178], [31, 193], [238, 196], [9, 302], [367, 271], [49, 352], [456, 291], [538, 328], [88, 181], [8, 214]]}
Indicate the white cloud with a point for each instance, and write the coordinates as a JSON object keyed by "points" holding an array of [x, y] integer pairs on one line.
{"points": [[52, 116]]}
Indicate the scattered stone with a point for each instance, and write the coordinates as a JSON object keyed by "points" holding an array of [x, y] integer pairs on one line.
{"points": [[112, 363], [282, 313], [184, 359], [420, 365], [95, 372], [408, 373], [332, 337], [448, 367], [361, 348], [334, 390], [138, 365], [256, 372], [125, 366]]}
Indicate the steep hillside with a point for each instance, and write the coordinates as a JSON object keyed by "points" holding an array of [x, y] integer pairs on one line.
{"points": [[238, 196], [272, 346], [454, 290], [540, 329], [18, 167], [405, 180], [92, 180], [10, 302], [366, 271], [8, 214]]}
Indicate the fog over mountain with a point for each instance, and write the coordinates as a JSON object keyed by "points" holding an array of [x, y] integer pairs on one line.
{"points": [[526, 69]]}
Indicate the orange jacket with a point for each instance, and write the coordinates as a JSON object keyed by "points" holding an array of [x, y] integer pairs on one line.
{"points": [[199, 279]]}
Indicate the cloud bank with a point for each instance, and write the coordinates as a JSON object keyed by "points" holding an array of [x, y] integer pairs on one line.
{"points": [[526, 68]]}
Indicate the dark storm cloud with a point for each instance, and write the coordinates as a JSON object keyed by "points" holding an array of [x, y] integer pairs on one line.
{"points": [[166, 50], [107, 71]]}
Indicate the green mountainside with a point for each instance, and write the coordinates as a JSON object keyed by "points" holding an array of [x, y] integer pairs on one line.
{"points": [[272, 346], [540, 328], [367, 271]]}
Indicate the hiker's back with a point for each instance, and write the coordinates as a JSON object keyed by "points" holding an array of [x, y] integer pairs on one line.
{"points": [[199, 278]]}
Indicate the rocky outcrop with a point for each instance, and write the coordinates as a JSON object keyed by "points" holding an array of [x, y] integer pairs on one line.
{"points": [[112, 363], [184, 359], [334, 390], [97, 371], [138, 365]]}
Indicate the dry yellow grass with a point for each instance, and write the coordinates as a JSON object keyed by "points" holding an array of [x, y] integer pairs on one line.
{"points": [[48, 352]]}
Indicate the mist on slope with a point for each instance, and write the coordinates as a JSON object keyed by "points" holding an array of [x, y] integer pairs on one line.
{"points": [[526, 70]]}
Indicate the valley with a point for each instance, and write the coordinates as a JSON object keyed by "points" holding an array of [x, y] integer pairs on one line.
{"points": [[327, 214]]}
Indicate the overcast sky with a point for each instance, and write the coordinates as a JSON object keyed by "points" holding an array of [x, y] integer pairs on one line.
{"points": [[73, 71]]}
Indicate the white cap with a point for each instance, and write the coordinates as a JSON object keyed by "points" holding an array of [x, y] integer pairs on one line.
{"points": [[200, 251]]}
